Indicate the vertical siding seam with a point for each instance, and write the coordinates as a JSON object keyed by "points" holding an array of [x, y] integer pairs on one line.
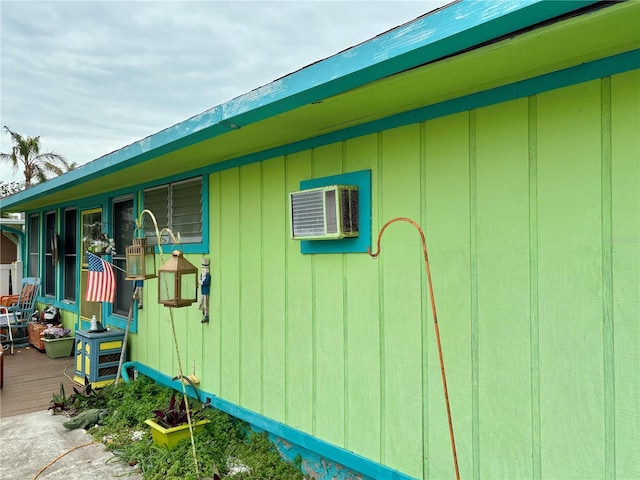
{"points": [[262, 283], [381, 332], [209, 253], [220, 283], [239, 286], [534, 335], [314, 337], [286, 304], [473, 267], [425, 307], [345, 331], [607, 282]]}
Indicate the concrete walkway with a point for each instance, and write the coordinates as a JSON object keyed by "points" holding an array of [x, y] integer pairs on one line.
{"points": [[28, 443]]}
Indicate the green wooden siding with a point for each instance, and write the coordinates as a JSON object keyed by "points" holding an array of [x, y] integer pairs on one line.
{"points": [[623, 329], [531, 210]]}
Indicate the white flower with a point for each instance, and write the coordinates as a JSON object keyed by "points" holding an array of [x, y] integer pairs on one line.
{"points": [[234, 467]]}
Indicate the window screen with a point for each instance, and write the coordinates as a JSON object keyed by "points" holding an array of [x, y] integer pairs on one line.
{"points": [[123, 235], [177, 206], [33, 246], [70, 252]]}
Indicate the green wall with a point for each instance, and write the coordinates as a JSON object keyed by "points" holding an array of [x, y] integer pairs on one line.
{"points": [[531, 210]]}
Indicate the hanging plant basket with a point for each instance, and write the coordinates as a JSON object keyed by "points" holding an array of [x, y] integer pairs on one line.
{"points": [[98, 242]]}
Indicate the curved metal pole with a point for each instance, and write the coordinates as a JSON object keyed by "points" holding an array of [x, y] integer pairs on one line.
{"points": [[176, 241], [138, 222], [435, 324]]}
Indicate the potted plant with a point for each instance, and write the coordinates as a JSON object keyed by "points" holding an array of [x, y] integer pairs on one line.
{"points": [[58, 341], [170, 425]]}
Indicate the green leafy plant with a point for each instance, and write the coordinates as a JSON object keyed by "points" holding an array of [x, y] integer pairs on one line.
{"points": [[60, 403], [88, 397], [175, 414], [225, 445]]}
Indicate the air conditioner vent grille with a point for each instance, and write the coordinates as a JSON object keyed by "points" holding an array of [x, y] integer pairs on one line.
{"points": [[324, 213], [308, 213]]}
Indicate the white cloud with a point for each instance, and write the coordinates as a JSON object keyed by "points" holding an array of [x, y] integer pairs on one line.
{"points": [[92, 77]]}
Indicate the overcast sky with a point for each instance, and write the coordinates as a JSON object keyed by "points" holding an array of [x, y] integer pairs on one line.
{"points": [[91, 77]]}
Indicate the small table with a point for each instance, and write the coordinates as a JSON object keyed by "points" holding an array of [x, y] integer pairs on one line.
{"points": [[97, 356]]}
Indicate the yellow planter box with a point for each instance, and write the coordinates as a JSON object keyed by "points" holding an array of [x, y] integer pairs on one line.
{"points": [[169, 437]]}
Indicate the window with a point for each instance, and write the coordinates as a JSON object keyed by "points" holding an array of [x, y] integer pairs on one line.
{"points": [[33, 246], [50, 254], [177, 206], [123, 224], [70, 253], [90, 225]]}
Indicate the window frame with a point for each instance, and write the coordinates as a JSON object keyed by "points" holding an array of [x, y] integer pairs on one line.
{"points": [[33, 245], [119, 258], [169, 218], [50, 236], [359, 244], [69, 258]]}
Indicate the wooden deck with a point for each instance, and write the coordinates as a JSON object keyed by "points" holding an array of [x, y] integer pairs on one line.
{"points": [[30, 380]]}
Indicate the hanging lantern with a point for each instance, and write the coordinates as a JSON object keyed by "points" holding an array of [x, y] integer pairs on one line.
{"points": [[141, 260], [177, 282]]}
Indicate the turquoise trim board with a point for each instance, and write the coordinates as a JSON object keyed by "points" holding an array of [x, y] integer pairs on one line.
{"points": [[457, 27], [315, 452], [359, 244]]}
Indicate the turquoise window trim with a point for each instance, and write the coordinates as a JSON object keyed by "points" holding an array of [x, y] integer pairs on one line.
{"points": [[359, 244], [203, 246], [49, 299], [61, 305], [104, 202], [39, 264], [61, 301], [119, 322], [111, 319]]}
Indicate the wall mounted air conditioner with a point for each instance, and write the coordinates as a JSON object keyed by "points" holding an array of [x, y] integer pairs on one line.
{"points": [[325, 213]]}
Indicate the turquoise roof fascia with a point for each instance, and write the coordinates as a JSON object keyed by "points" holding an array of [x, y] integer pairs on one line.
{"points": [[449, 30], [585, 72]]}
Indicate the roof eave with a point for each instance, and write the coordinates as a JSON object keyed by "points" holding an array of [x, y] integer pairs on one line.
{"points": [[444, 32]]}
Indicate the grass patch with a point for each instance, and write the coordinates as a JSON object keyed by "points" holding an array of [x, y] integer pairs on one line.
{"points": [[228, 443]]}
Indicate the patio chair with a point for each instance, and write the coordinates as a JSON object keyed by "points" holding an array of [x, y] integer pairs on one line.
{"points": [[17, 314]]}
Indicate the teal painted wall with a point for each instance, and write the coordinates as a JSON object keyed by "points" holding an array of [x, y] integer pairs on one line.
{"points": [[531, 210]]}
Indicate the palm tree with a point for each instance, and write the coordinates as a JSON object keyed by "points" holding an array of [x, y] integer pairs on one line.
{"points": [[26, 151]]}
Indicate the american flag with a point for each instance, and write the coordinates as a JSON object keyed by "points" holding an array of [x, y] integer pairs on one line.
{"points": [[101, 286]]}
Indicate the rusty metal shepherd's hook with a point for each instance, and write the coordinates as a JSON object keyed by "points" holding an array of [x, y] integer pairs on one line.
{"points": [[435, 324]]}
